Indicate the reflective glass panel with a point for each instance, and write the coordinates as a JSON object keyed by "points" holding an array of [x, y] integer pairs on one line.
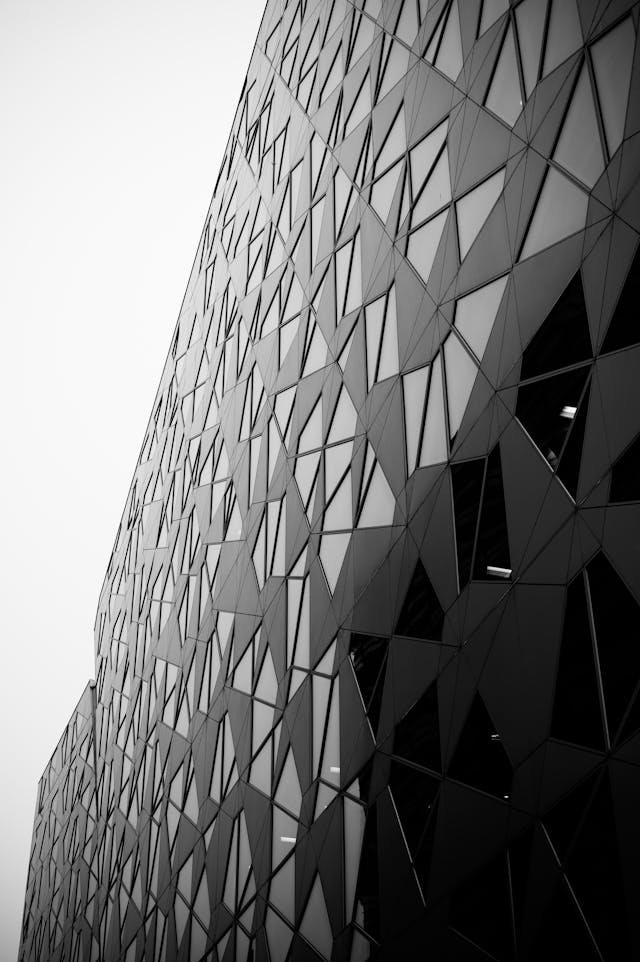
{"points": [[423, 245], [343, 424], [285, 830], [414, 385], [388, 363], [449, 58], [374, 318], [311, 436], [473, 209], [379, 505], [315, 925], [564, 35], [383, 190], [579, 148], [461, 376], [423, 155], [530, 17], [437, 190], [339, 513], [476, 313], [394, 145], [434, 441], [491, 10], [333, 548], [612, 62], [504, 96], [561, 211]]}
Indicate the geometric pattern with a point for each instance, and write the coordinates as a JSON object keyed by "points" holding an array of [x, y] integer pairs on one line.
{"points": [[367, 661]]}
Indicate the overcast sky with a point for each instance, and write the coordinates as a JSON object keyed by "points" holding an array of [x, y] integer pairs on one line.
{"points": [[114, 119]]}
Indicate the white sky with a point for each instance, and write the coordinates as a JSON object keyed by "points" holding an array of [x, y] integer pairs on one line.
{"points": [[114, 118]]}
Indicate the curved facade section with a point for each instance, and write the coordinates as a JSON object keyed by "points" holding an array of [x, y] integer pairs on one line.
{"points": [[367, 672]]}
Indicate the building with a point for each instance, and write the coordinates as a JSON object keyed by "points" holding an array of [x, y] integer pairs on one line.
{"points": [[367, 654]]}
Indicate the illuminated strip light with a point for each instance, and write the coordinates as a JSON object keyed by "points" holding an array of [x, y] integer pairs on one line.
{"points": [[287, 838], [334, 769], [568, 412], [499, 572]]}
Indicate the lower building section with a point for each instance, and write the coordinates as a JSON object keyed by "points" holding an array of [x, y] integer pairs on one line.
{"points": [[367, 649]]}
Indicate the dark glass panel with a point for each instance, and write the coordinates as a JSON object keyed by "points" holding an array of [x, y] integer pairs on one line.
{"points": [[368, 891], [417, 735], [625, 476], [624, 328], [481, 910], [480, 759], [369, 658], [571, 457], [492, 549], [576, 708], [563, 339], [414, 793], [466, 479], [594, 870], [616, 618], [547, 409], [422, 615]]}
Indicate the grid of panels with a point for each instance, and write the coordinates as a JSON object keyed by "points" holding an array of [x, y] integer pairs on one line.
{"points": [[366, 651]]}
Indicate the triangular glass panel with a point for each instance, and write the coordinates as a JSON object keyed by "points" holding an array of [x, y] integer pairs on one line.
{"points": [[473, 209], [547, 409], [414, 391], [561, 211], [491, 10], [563, 338], [504, 96], [368, 889], [530, 21], [616, 615], [563, 931], [361, 107], [414, 793], [480, 759], [564, 35], [476, 313], [571, 458], [624, 329], [563, 821], [625, 475], [423, 245], [383, 191], [595, 871], [612, 58], [434, 438], [436, 192], [461, 373], [467, 478], [394, 145], [481, 910], [422, 615], [417, 734], [422, 157], [369, 658], [333, 548], [379, 504], [449, 57], [576, 708], [492, 558], [579, 149]]}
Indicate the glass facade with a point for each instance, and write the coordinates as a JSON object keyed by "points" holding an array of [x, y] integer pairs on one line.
{"points": [[367, 659]]}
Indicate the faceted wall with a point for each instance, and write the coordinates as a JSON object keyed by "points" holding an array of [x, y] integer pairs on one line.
{"points": [[367, 653]]}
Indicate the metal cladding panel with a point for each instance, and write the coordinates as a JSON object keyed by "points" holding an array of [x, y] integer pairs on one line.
{"points": [[367, 660]]}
